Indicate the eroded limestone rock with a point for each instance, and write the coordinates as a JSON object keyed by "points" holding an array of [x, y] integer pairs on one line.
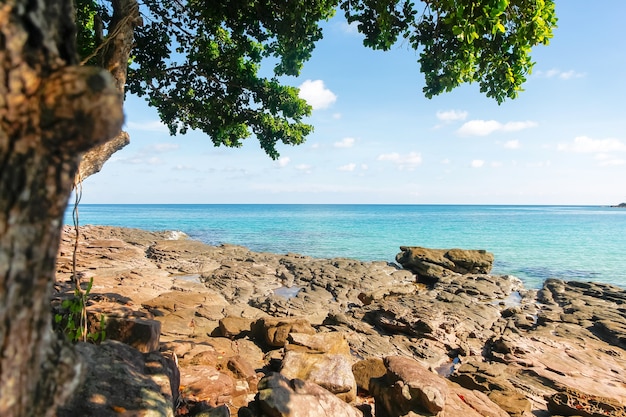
{"points": [[430, 265]]}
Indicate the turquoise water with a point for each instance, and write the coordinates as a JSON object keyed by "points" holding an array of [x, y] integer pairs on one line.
{"points": [[531, 242]]}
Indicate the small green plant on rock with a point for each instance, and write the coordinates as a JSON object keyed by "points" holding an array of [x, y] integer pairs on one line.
{"points": [[72, 319]]}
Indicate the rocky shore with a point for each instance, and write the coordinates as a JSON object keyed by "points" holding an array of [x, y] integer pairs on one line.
{"points": [[198, 330]]}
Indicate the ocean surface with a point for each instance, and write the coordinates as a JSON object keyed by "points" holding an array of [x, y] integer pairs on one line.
{"points": [[584, 243]]}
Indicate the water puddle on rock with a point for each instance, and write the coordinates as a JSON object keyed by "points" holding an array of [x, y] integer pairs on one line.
{"points": [[287, 292], [188, 278], [513, 300], [446, 369]]}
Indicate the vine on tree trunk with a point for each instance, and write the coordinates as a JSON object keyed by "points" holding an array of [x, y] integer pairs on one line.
{"points": [[73, 317]]}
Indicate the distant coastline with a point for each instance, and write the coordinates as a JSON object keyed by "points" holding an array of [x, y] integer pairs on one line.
{"points": [[620, 205]]}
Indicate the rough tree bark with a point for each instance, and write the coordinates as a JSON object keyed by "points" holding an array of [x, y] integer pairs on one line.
{"points": [[113, 55], [51, 111]]}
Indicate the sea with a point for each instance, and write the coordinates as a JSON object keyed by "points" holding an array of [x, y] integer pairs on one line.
{"points": [[533, 243]]}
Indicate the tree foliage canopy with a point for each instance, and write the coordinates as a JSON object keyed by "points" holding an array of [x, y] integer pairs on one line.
{"points": [[199, 62]]}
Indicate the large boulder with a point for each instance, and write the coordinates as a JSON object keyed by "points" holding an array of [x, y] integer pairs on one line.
{"points": [[367, 369], [322, 358], [430, 265], [330, 371], [414, 386], [219, 371], [142, 334], [277, 330], [280, 396], [120, 380], [409, 389]]}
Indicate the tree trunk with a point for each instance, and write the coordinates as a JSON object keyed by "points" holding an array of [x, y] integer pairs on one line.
{"points": [[51, 111], [114, 56]]}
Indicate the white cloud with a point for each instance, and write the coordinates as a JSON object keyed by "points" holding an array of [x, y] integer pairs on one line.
{"points": [[314, 188], [451, 115], [568, 75], [163, 147], [479, 127], [539, 164], [517, 126], [147, 155], [349, 28], [608, 160], [283, 161], [395, 156], [344, 143], [585, 144], [149, 126], [306, 168], [477, 163], [316, 94], [409, 161], [446, 161], [486, 127], [336, 116], [364, 167], [557, 73], [180, 167], [550, 73], [349, 167], [512, 144]]}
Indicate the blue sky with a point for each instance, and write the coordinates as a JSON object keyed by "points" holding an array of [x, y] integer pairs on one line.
{"points": [[378, 140]]}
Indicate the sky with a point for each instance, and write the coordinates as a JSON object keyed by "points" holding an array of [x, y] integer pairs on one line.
{"points": [[378, 140]]}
